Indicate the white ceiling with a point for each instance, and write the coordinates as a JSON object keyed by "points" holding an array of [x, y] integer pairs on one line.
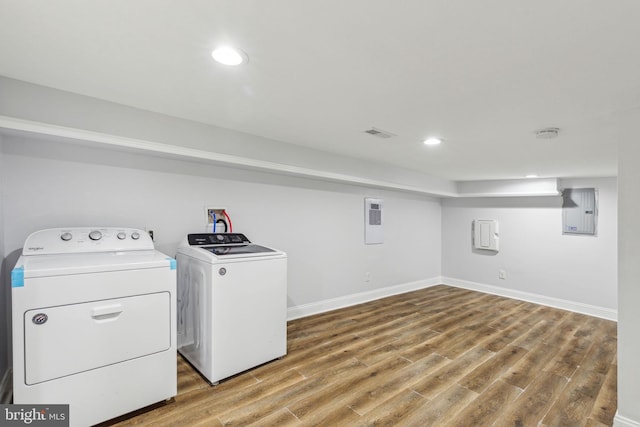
{"points": [[483, 75]]}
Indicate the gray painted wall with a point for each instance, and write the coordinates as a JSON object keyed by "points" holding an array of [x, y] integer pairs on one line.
{"points": [[537, 258], [629, 275], [320, 225], [5, 306]]}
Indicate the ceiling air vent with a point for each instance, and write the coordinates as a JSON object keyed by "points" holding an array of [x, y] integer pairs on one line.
{"points": [[379, 133], [547, 133]]}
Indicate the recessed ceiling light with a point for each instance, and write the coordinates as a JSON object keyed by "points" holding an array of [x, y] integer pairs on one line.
{"points": [[432, 141], [531, 175], [228, 55]]}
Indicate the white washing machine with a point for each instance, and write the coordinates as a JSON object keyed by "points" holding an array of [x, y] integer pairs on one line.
{"points": [[232, 304], [93, 322]]}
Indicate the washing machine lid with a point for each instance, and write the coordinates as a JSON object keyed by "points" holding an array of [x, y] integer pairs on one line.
{"points": [[68, 264], [250, 249]]}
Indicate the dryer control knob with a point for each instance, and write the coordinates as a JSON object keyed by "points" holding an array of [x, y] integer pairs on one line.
{"points": [[95, 235], [135, 235], [66, 236], [121, 236]]}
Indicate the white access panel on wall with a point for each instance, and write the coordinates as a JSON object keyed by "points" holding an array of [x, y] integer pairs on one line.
{"points": [[579, 211], [485, 235], [373, 221]]}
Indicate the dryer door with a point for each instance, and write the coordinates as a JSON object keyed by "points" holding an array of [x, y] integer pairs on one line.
{"points": [[69, 339]]}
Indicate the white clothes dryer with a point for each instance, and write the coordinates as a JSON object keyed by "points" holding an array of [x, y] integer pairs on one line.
{"points": [[94, 322], [232, 304]]}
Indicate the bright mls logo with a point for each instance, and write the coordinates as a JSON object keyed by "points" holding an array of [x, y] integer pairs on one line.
{"points": [[34, 415]]}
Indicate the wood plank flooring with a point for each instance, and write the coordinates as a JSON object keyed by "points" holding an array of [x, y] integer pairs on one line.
{"points": [[441, 356]]}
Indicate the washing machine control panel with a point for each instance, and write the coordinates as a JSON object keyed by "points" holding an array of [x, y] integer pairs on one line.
{"points": [[83, 240], [202, 239]]}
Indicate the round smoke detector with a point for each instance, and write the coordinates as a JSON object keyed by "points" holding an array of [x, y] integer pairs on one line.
{"points": [[547, 133]]}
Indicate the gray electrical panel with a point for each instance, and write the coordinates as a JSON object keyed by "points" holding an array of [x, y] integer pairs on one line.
{"points": [[579, 211]]}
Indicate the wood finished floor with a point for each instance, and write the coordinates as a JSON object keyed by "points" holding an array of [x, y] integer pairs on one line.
{"points": [[438, 356]]}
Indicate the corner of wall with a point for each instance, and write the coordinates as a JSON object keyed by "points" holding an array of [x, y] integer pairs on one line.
{"points": [[590, 310], [5, 373], [620, 421]]}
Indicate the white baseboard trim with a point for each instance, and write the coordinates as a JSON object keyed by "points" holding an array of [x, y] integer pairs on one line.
{"points": [[305, 310], [620, 421], [6, 392], [591, 310]]}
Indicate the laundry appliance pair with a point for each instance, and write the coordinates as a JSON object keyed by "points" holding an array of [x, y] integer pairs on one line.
{"points": [[98, 315]]}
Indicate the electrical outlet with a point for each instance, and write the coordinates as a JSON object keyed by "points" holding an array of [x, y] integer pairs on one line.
{"points": [[502, 274], [367, 277], [149, 230]]}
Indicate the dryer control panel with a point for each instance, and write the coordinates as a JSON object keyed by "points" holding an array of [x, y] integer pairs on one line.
{"points": [[202, 239], [85, 240]]}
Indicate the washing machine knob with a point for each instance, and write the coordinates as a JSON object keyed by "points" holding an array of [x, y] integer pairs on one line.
{"points": [[121, 236], [135, 235], [66, 236], [95, 235]]}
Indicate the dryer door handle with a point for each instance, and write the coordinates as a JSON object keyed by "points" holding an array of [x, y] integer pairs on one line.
{"points": [[107, 311]]}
